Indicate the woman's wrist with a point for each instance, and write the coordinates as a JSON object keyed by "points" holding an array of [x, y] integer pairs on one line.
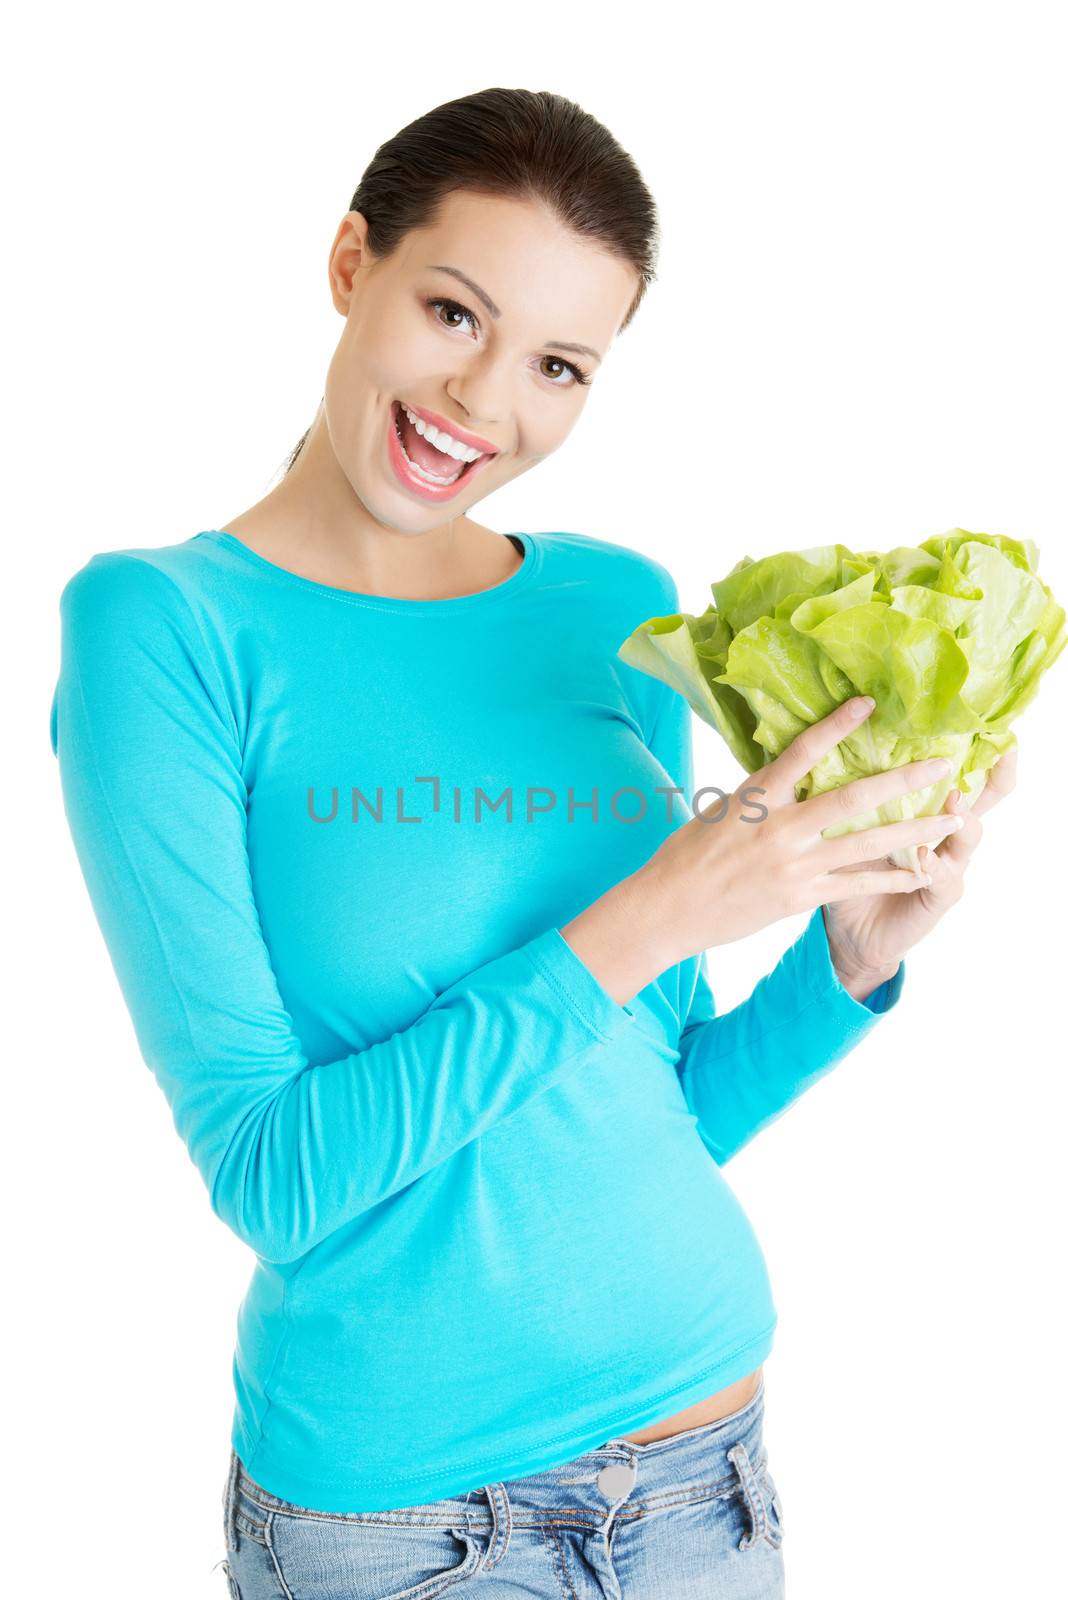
{"points": [[862, 985], [858, 981], [621, 937]]}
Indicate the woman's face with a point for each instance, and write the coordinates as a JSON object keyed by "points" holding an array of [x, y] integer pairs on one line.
{"points": [[484, 360]]}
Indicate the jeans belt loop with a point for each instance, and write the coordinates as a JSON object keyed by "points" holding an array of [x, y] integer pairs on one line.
{"points": [[501, 1507], [754, 1498], [231, 1502]]}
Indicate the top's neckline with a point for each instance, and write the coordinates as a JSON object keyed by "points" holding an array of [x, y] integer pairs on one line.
{"points": [[382, 602]]}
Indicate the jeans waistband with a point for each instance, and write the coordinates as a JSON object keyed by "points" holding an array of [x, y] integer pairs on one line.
{"points": [[618, 1479]]}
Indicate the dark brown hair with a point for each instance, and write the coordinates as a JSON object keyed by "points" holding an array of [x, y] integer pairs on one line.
{"points": [[525, 144]]}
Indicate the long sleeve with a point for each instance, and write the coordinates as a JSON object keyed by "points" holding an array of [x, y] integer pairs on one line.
{"points": [[151, 770], [741, 1070]]}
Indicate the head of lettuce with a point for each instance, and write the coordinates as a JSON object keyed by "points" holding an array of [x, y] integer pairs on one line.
{"points": [[949, 638]]}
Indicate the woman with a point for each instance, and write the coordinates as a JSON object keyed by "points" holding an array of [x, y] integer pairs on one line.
{"points": [[352, 783]]}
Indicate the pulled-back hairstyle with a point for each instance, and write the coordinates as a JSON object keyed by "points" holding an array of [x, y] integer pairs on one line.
{"points": [[524, 144]]}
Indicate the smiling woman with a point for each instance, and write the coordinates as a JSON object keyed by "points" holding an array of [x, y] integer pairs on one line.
{"points": [[417, 375], [496, 1254], [430, 404]]}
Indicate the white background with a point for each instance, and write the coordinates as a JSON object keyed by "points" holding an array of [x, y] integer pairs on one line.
{"points": [[858, 334]]}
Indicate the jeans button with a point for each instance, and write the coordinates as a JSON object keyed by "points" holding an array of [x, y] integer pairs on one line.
{"points": [[616, 1481]]}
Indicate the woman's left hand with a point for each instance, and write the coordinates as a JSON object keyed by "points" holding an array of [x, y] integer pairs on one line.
{"points": [[867, 937]]}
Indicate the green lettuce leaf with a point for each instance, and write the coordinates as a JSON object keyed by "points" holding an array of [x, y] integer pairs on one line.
{"points": [[951, 639]]}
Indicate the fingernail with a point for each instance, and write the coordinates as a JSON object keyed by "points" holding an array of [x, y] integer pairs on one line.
{"points": [[941, 767], [859, 707]]}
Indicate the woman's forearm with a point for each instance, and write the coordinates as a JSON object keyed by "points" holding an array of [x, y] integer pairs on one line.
{"points": [[623, 940]]}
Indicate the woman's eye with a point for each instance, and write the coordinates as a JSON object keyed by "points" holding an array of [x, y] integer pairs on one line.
{"points": [[450, 306], [569, 366]]}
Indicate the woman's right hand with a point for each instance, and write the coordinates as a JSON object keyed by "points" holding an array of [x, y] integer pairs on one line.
{"points": [[730, 871]]}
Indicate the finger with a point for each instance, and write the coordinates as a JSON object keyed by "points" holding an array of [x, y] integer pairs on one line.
{"points": [[870, 844], [802, 754], [854, 885], [958, 848], [1000, 781], [862, 795], [945, 875]]}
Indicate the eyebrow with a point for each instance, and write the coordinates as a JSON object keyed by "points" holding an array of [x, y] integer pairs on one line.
{"points": [[494, 311]]}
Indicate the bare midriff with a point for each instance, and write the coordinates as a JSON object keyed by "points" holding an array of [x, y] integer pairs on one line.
{"points": [[711, 1409]]}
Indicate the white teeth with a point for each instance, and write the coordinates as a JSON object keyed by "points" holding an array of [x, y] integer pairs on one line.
{"points": [[441, 440], [423, 472]]}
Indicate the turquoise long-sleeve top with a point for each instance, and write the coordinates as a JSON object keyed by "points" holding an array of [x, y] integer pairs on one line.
{"points": [[330, 839]]}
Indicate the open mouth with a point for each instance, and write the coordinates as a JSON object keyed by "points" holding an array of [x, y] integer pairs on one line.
{"points": [[422, 465]]}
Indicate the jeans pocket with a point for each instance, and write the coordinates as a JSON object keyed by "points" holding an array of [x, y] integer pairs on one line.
{"points": [[321, 1558], [413, 1553]]}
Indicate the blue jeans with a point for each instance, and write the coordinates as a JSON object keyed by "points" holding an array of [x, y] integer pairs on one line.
{"points": [[695, 1516]]}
